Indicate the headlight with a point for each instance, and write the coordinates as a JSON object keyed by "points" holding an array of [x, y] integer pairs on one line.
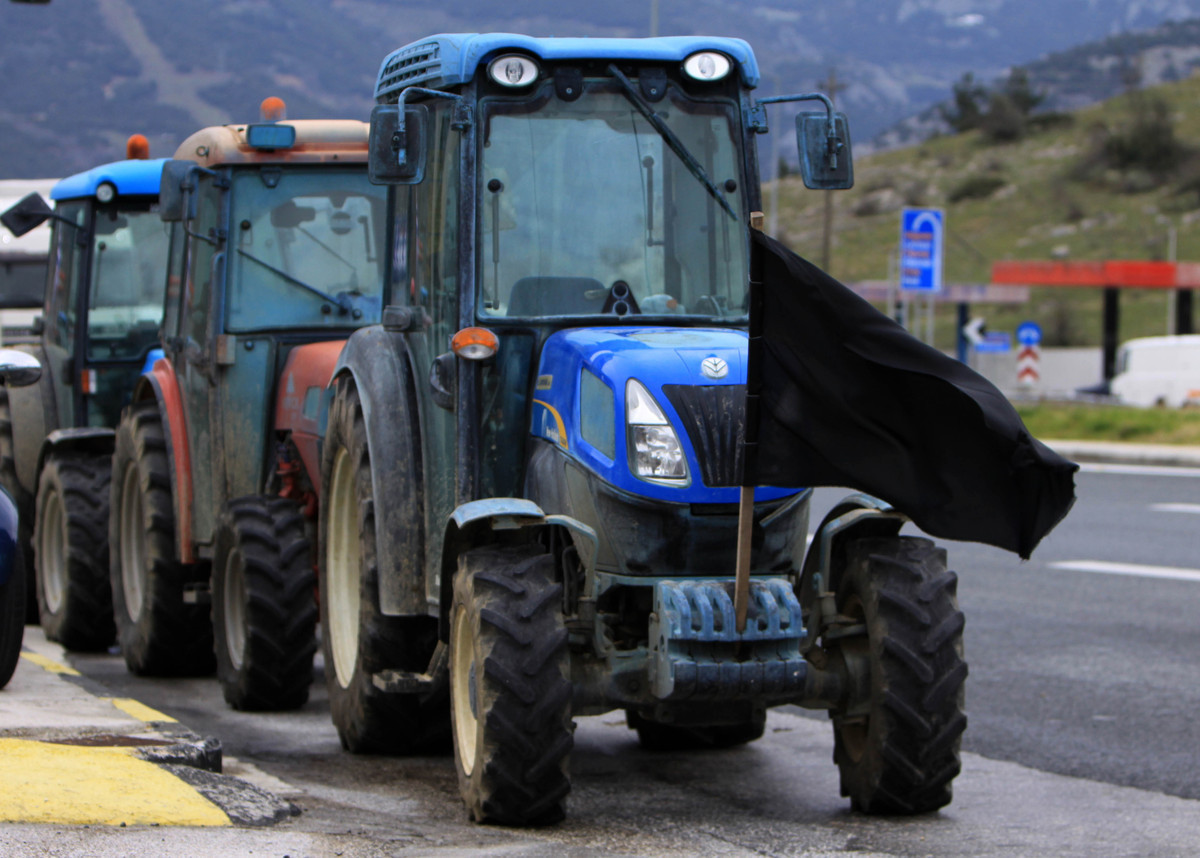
{"points": [[707, 65], [655, 453], [105, 192], [513, 70]]}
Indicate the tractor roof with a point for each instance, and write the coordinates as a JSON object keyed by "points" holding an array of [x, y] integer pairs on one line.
{"points": [[317, 141], [128, 177], [450, 59]]}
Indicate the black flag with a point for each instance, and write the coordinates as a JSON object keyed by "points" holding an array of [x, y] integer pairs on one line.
{"points": [[846, 397]]}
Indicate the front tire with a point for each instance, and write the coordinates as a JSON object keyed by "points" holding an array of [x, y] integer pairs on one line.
{"points": [[898, 751], [160, 634], [357, 639], [264, 611], [70, 539], [509, 686]]}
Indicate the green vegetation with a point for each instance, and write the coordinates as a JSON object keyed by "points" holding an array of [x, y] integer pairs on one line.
{"points": [[1120, 180], [1111, 423]]}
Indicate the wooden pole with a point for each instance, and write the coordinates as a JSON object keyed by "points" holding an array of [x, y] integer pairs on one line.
{"points": [[745, 530]]}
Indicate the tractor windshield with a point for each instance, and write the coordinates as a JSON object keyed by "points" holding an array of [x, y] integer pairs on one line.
{"points": [[129, 275], [586, 201], [305, 249]]}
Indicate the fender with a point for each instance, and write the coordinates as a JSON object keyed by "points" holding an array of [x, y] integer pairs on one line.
{"points": [[89, 439], [32, 410], [162, 385], [306, 374], [855, 516], [381, 366], [476, 523]]}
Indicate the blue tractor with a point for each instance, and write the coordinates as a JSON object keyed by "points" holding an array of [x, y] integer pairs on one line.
{"points": [[531, 466], [98, 332]]}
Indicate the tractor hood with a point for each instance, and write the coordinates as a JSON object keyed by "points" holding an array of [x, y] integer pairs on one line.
{"points": [[586, 402]]}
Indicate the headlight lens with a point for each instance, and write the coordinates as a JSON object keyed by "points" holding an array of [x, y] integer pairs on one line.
{"points": [[655, 453], [513, 70], [105, 192], [707, 65]]}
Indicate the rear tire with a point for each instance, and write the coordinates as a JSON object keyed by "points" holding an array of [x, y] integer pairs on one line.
{"points": [[160, 635], [654, 736], [899, 753], [74, 591], [264, 610], [357, 639], [510, 687]]}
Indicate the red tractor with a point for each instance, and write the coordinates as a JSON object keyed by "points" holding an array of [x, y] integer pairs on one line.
{"points": [[277, 255]]}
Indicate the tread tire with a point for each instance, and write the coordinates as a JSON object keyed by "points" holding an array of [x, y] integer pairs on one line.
{"points": [[70, 538], [357, 639], [160, 634], [263, 581], [508, 658], [903, 759]]}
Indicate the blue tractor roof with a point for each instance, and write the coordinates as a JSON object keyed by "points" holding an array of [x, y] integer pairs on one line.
{"points": [[128, 177], [450, 59]]}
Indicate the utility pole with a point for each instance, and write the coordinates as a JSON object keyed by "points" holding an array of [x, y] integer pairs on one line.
{"points": [[831, 88]]}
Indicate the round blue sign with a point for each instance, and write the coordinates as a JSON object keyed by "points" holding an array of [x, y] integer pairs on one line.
{"points": [[1029, 334]]}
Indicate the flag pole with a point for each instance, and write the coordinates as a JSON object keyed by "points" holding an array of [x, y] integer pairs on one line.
{"points": [[745, 529]]}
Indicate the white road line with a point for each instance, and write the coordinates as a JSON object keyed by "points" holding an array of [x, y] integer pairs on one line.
{"points": [[1193, 508], [1173, 573], [1140, 470]]}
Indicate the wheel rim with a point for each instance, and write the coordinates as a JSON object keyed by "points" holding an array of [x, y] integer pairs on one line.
{"points": [[52, 552], [133, 545], [233, 604], [463, 691], [342, 595]]}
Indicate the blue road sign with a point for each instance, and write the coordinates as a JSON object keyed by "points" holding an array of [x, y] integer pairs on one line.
{"points": [[995, 341], [1029, 334], [921, 232]]}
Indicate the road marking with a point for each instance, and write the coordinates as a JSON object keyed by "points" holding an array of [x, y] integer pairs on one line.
{"points": [[49, 664], [1140, 470], [140, 711], [1173, 573], [72, 785], [1193, 508]]}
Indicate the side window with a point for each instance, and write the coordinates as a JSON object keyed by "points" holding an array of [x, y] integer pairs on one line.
{"points": [[62, 289], [198, 283], [434, 264], [175, 261]]}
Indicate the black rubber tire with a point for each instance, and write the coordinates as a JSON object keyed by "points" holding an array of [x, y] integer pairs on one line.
{"points": [[357, 639], [70, 538], [24, 502], [12, 618], [655, 736], [264, 607], [903, 754], [510, 686], [160, 634]]}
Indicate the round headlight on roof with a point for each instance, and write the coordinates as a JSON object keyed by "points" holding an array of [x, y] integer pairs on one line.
{"points": [[707, 65], [105, 192], [513, 70]]}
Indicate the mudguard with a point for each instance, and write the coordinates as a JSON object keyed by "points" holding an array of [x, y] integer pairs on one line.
{"points": [[161, 385], [298, 408], [381, 366], [33, 411], [91, 439], [855, 516]]}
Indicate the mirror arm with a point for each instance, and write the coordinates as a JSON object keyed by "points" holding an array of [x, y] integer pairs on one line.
{"points": [[461, 119]]}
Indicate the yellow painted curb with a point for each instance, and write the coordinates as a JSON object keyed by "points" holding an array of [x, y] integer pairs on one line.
{"points": [[140, 711], [73, 785], [49, 664]]}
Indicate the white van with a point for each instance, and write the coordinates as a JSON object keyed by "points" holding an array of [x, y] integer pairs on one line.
{"points": [[1159, 371]]}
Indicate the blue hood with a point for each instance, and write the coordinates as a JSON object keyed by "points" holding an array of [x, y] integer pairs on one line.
{"points": [[579, 400]]}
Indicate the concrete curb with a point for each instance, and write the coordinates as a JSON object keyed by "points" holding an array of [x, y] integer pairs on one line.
{"points": [[1103, 452]]}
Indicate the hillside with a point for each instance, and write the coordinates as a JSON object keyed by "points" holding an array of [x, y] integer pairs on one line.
{"points": [[81, 75], [1047, 196]]}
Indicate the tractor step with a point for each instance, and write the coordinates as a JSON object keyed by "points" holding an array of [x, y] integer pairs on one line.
{"points": [[696, 652], [408, 682]]}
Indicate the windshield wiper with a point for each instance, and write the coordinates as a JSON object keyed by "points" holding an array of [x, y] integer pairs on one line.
{"points": [[342, 302], [668, 136]]}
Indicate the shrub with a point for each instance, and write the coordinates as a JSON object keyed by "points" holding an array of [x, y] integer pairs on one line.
{"points": [[975, 188]]}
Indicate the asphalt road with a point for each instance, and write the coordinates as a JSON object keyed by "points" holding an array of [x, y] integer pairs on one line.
{"points": [[1084, 681]]}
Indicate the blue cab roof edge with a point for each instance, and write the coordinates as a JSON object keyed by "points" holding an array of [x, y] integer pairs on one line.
{"points": [[128, 177], [449, 59]]}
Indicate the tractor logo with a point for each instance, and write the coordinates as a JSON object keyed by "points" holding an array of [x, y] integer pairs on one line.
{"points": [[714, 367]]}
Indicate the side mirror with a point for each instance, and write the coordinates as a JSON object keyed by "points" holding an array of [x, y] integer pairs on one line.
{"points": [[824, 144], [18, 368], [30, 211], [174, 201], [396, 149], [443, 380]]}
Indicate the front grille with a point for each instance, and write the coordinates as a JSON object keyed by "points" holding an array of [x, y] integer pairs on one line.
{"points": [[713, 417]]}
